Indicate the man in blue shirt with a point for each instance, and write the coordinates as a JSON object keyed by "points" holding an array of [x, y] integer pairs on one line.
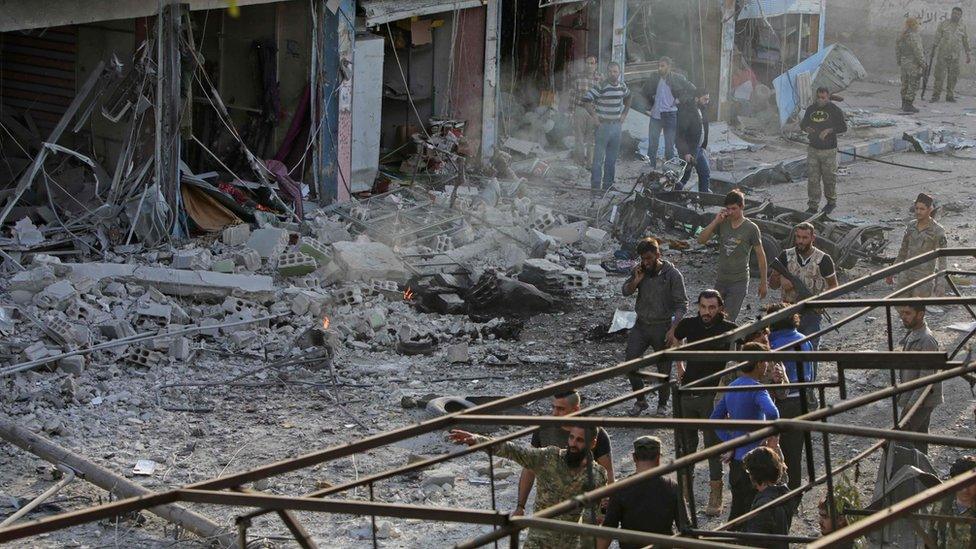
{"points": [[748, 405], [661, 92], [784, 334]]}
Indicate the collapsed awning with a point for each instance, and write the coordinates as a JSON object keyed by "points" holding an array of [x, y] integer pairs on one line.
{"points": [[384, 11], [757, 9]]}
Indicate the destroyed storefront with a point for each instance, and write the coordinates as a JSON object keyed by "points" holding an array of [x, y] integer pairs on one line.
{"points": [[423, 90], [133, 125]]}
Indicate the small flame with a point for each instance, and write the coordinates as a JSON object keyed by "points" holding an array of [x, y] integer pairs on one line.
{"points": [[325, 323], [408, 294]]}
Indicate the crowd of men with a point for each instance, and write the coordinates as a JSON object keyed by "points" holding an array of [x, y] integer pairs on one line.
{"points": [[564, 461]]}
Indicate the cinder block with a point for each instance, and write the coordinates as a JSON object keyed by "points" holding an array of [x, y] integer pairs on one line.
{"points": [[141, 356], [348, 296], [458, 353], [248, 258], [197, 259], [595, 272], [543, 222], [448, 304], [314, 248], [74, 365], [225, 265], [235, 235], [575, 280], [296, 264], [179, 348], [233, 305], [443, 243], [116, 329], [594, 240], [73, 335], [55, 296]]}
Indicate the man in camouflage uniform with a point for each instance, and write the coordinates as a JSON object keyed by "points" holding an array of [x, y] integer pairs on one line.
{"points": [[560, 474], [908, 50], [950, 37], [922, 235], [957, 535]]}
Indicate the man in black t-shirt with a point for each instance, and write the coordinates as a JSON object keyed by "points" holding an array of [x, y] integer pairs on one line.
{"points": [[822, 122], [710, 322], [653, 505], [562, 404]]}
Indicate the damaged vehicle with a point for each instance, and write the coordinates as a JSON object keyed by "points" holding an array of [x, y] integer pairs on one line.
{"points": [[690, 211]]}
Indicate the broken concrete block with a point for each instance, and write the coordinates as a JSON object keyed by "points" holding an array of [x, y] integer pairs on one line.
{"points": [[235, 235], [55, 296], [209, 332], [314, 248], [329, 232], [300, 303], [115, 289], [386, 288], [596, 272], [575, 279], [193, 259], [35, 351], [443, 243], [233, 305], [568, 234], [74, 365], [296, 264], [141, 356], [544, 221], [26, 233], [179, 348], [116, 329], [226, 265], [248, 258], [376, 318], [155, 312], [33, 280], [74, 335], [348, 296], [594, 240], [268, 243], [458, 353], [369, 260], [200, 285]]}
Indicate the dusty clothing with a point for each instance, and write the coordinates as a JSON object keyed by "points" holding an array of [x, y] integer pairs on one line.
{"points": [[911, 59], [653, 505], [580, 88], [660, 295], [950, 41], [734, 246], [555, 482], [690, 134], [819, 118], [639, 338], [821, 166], [953, 535], [734, 294], [609, 99], [772, 521], [584, 130], [918, 241]]}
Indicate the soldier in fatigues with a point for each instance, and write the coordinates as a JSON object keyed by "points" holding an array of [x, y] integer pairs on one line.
{"points": [[950, 37], [908, 50], [951, 534], [922, 235], [560, 474]]}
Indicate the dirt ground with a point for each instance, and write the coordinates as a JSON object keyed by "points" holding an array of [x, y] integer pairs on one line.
{"points": [[277, 415]]}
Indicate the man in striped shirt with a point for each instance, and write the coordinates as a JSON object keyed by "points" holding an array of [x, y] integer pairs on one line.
{"points": [[608, 102]]}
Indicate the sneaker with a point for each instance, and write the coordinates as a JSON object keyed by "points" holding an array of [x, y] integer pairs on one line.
{"points": [[830, 207], [638, 408], [662, 411]]}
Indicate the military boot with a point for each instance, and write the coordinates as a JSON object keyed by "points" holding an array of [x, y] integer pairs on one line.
{"points": [[905, 107], [912, 108], [714, 507], [934, 98], [950, 98]]}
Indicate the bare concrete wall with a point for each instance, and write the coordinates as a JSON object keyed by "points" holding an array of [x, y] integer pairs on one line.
{"points": [[870, 28]]}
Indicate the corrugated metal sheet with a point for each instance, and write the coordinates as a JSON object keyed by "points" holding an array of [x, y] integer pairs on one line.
{"points": [[835, 67], [755, 9], [37, 72], [384, 11]]}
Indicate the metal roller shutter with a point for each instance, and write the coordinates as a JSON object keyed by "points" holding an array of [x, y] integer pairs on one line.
{"points": [[37, 73]]}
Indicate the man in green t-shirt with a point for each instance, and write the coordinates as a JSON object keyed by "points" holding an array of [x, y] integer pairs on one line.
{"points": [[737, 238]]}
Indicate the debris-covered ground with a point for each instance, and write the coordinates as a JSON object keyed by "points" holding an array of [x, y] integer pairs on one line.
{"points": [[510, 298]]}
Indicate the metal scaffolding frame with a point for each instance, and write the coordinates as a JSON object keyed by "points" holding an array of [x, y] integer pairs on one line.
{"points": [[230, 489]]}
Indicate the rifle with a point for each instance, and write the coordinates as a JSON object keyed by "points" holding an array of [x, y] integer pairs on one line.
{"points": [[802, 290], [927, 71]]}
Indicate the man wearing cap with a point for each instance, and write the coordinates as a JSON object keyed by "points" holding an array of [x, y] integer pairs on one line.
{"points": [[562, 475], [653, 505], [961, 504], [553, 435], [923, 234]]}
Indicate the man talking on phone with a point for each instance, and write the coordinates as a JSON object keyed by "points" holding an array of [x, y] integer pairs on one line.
{"points": [[661, 304]]}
